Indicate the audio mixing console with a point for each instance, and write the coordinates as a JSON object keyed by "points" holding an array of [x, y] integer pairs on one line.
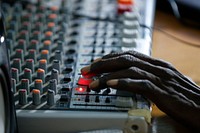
{"points": [[49, 41]]}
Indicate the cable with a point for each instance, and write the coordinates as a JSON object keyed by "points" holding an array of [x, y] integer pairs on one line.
{"points": [[176, 38]]}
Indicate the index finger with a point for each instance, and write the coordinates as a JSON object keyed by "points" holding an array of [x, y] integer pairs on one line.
{"points": [[109, 65], [143, 57]]}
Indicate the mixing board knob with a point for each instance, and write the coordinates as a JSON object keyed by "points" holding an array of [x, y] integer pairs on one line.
{"points": [[39, 26], [19, 54], [131, 24], [133, 16], [41, 74], [28, 74], [49, 35], [36, 97], [30, 64], [13, 81], [52, 85], [47, 43], [43, 65], [42, 19], [17, 64], [41, 9], [5, 7], [32, 55], [63, 28], [58, 56], [34, 44], [30, 8], [24, 35], [64, 98], [50, 97], [128, 42], [107, 100], [25, 84], [18, 8], [22, 97], [22, 45], [87, 98], [45, 55], [51, 26], [56, 65], [38, 84], [36, 35], [60, 45], [15, 74], [14, 26], [88, 89], [17, 19], [9, 43], [27, 18], [130, 33], [26, 26], [97, 100], [53, 18], [54, 9], [54, 75], [11, 35]]}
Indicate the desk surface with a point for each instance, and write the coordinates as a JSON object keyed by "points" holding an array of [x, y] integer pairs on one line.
{"points": [[184, 57]]}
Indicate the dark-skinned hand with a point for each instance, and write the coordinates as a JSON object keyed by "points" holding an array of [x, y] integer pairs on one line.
{"points": [[159, 81]]}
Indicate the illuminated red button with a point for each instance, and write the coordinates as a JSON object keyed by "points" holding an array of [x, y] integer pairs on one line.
{"points": [[125, 6], [81, 89], [125, 2], [84, 81]]}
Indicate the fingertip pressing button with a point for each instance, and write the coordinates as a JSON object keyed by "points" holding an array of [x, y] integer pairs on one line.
{"points": [[84, 81]]}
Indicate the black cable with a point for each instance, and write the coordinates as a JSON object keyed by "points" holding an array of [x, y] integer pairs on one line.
{"points": [[176, 38]]}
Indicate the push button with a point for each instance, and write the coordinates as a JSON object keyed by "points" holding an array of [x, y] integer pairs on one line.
{"points": [[84, 81]]}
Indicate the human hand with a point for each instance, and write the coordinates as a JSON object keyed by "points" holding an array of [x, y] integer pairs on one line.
{"points": [[157, 80]]}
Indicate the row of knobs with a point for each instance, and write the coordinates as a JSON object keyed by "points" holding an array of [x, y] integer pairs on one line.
{"points": [[130, 29], [36, 97], [35, 39]]}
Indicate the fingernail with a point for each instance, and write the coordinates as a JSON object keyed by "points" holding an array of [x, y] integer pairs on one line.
{"points": [[94, 84], [85, 70], [112, 82]]}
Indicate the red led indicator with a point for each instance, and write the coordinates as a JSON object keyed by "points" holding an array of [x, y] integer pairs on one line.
{"points": [[80, 89]]}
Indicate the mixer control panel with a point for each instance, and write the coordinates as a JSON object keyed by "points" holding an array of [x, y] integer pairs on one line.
{"points": [[50, 41]]}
